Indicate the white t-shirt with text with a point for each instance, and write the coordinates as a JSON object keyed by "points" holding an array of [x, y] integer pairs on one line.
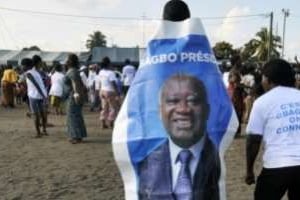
{"points": [[276, 116]]}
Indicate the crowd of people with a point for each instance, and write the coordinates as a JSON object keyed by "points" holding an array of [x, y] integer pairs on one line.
{"points": [[64, 89], [102, 87], [252, 88], [243, 83]]}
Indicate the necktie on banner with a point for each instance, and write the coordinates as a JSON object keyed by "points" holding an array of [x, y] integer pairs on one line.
{"points": [[179, 73], [183, 189]]}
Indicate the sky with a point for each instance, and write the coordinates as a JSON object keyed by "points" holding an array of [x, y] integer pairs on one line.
{"points": [[135, 21]]}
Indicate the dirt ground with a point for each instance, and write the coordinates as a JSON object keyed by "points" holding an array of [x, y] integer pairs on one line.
{"points": [[52, 168]]}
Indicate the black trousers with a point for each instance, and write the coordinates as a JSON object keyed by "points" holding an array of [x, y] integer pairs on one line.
{"points": [[273, 183]]}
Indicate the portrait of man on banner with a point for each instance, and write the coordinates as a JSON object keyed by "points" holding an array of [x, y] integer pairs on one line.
{"points": [[187, 165]]}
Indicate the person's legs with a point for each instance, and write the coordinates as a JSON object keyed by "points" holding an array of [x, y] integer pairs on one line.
{"points": [[11, 95], [43, 114], [37, 124], [105, 109], [5, 94], [34, 106], [113, 109], [293, 190], [271, 184]]}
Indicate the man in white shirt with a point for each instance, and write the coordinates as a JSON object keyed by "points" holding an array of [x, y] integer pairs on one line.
{"points": [[37, 95], [128, 74], [274, 119]]}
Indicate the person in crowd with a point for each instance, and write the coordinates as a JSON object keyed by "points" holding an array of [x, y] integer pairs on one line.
{"points": [[18, 89], [108, 94], [128, 74], [26, 64], [37, 95], [297, 76], [248, 82], [274, 120], [236, 93], [76, 129], [84, 72], [56, 90], [184, 111], [93, 95], [8, 83]]}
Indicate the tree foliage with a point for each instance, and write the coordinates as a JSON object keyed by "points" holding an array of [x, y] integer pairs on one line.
{"points": [[32, 48], [223, 50], [249, 50], [96, 39], [259, 46]]}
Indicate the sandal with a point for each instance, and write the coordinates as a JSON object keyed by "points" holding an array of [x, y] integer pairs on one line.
{"points": [[73, 141]]}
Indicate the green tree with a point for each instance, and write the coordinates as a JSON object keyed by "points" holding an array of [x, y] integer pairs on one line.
{"points": [[97, 39], [249, 49], [32, 48], [223, 50], [262, 43]]}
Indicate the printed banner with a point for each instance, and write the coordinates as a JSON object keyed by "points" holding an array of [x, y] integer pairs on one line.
{"points": [[176, 121]]}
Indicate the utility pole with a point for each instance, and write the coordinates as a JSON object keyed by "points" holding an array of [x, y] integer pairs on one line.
{"points": [[270, 36], [286, 13]]}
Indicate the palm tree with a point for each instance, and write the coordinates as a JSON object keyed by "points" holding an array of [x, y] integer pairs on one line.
{"points": [[249, 49], [97, 39], [262, 43]]}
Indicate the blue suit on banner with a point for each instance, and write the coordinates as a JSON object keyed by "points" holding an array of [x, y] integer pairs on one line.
{"points": [[156, 178]]}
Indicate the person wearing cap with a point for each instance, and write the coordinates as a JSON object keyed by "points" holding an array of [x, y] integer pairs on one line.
{"points": [[176, 10], [274, 119]]}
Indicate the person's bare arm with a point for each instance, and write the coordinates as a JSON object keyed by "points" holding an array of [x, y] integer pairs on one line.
{"points": [[76, 93], [252, 148]]}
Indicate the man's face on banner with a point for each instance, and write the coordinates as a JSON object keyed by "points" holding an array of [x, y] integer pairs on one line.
{"points": [[184, 109]]}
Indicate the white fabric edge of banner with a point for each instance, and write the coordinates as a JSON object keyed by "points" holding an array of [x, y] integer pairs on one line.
{"points": [[121, 154], [174, 30], [225, 143], [169, 29]]}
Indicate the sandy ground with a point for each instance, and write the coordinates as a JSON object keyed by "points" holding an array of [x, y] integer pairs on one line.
{"points": [[52, 168]]}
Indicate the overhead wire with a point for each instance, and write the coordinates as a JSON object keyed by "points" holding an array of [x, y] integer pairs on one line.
{"points": [[242, 18], [121, 18]]}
